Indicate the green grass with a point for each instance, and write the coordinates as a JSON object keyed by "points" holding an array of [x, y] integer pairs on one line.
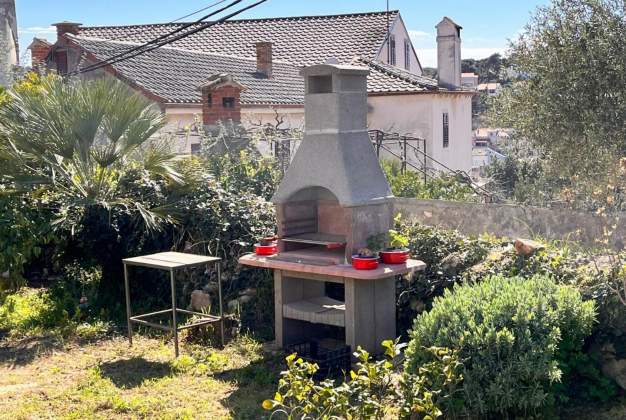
{"points": [[106, 379]]}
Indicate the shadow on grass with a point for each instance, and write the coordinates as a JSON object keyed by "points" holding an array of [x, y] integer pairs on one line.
{"points": [[130, 373], [20, 352], [256, 382]]}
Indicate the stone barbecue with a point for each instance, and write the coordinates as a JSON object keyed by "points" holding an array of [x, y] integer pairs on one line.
{"points": [[332, 198]]}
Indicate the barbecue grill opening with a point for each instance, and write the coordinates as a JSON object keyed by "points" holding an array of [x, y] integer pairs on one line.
{"points": [[313, 227]]}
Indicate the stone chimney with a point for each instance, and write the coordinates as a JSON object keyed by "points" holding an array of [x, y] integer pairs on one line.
{"points": [[220, 100], [449, 53], [39, 50], [9, 50], [264, 58], [67, 28]]}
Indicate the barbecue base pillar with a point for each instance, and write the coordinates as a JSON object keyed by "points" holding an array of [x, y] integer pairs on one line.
{"points": [[369, 309]]}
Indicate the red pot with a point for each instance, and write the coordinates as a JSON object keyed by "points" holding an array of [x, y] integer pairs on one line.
{"points": [[396, 256], [364, 263], [266, 249]]}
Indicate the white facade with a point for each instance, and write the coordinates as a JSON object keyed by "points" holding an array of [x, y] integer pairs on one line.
{"points": [[405, 56], [421, 115]]}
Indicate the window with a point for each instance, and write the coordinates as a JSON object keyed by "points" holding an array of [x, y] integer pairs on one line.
{"points": [[446, 130], [228, 102], [407, 54], [392, 50], [209, 100]]}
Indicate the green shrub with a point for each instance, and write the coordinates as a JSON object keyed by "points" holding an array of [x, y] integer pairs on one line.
{"points": [[411, 184], [447, 255], [362, 396], [507, 333], [31, 312], [436, 384]]}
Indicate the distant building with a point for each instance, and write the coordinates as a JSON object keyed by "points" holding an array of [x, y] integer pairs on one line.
{"points": [[469, 80], [248, 70], [491, 89], [483, 156]]}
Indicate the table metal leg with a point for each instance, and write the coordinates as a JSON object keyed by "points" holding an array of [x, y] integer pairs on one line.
{"points": [[174, 323], [219, 291], [128, 312]]}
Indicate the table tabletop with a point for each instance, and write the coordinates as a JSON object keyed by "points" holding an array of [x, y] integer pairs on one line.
{"points": [[170, 260]]}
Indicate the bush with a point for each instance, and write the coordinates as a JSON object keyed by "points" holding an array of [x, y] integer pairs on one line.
{"points": [[31, 312], [363, 396], [447, 255], [507, 333], [411, 184]]}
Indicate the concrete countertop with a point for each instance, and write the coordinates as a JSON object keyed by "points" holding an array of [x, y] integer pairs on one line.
{"points": [[341, 270]]}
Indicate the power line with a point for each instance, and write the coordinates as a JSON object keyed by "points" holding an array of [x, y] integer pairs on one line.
{"points": [[176, 38], [197, 11], [104, 62]]}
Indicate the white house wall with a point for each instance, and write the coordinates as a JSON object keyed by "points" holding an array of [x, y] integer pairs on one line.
{"points": [[421, 115], [399, 31]]}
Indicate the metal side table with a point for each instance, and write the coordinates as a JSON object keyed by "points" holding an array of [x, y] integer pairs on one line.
{"points": [[172, 261]]}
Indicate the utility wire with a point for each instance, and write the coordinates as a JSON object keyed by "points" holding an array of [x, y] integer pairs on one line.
{"points": [[197, 11], [115, 57], [178, 37]]}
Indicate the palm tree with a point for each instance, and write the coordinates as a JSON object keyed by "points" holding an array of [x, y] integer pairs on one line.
{"points": [[76, 137]]}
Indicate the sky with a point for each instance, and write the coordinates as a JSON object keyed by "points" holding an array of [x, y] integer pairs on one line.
{"points": [[488, 25]]}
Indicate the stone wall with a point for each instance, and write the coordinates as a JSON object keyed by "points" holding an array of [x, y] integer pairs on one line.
{"points": [[515, 221]]}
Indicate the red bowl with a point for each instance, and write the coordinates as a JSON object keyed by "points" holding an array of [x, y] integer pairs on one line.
{"points": [[394, 257], [364, 263], [266, 249]]}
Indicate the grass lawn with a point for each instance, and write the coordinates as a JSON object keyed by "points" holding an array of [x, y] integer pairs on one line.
{"points": [[47, 378]]}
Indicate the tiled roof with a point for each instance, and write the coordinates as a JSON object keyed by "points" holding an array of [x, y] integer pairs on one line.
{"points": [[385, 78], [299, 40], [175, 75]]}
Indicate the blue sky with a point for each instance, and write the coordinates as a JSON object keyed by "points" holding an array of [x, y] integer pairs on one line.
{"points": [[488, 24]]}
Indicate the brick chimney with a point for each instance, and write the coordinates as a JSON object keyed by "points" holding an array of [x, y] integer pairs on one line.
{"points": [[39, 50], [221, 99], [264, 58], [67, 28], [449, 53]]}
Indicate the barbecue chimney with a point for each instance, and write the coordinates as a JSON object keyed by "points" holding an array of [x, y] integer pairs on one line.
{"points": [[334, 188]]}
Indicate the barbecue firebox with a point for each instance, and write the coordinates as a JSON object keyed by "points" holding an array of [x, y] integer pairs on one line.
{"points": [[332, 198]]}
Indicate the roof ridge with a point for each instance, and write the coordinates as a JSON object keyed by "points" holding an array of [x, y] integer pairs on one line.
{"points": [[87, 38], [384, 12], [398, 73]]}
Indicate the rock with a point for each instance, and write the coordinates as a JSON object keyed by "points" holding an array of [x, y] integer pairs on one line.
{"points": [[200, 300], [245, 299], [527, 247], [452, 263], [250, 291], [613, 367], [233, 305]]}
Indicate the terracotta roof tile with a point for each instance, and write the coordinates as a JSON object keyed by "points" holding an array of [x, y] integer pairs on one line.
{"points": [[300, 40]]}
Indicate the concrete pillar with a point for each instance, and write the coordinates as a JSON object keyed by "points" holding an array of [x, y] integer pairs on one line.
{"points": [[9, 50], [449, 53]]}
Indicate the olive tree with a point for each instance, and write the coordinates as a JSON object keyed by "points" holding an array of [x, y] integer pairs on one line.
{"points": [[570, 99]]}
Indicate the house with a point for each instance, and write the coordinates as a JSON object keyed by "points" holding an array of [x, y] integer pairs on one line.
{"points": [[249, 71], [483, 156], [9, 49], [469, 80], [491, 89]]}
